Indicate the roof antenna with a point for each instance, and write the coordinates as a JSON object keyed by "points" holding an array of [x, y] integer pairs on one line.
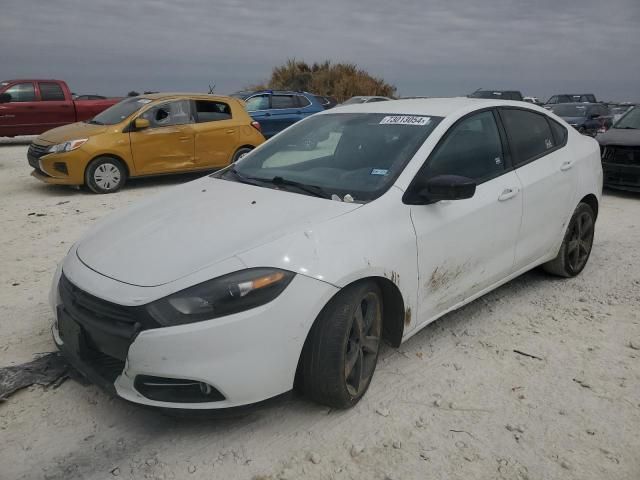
{"points": [[212, 88]]}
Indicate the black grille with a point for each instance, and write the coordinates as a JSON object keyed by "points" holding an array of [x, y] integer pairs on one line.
{"points": [[109, 328], [105, 365], [622, 155], [34, 153]]}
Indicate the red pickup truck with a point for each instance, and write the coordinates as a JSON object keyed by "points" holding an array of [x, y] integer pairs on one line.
{"points": [[31, 107]]}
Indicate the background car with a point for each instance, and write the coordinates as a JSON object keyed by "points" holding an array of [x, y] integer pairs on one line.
{"points": [[146, 135], [572, 98], [357, 225], [617, 111], [89, 97], [33, 106], [587, 118], [497, 94], [534, 100], [620, 147], [279, 109], [364, 99]]}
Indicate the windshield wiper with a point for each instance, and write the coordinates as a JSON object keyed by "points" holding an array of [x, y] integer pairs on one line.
{"points": [[95, 122], [312, 189], [248, 180]]}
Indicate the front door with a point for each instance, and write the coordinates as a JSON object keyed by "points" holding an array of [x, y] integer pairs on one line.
{"points": [[20, 115], [465, 246], [168, 144]]}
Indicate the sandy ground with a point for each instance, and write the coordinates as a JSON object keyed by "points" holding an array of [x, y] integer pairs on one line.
{"points": [[454, 402]]}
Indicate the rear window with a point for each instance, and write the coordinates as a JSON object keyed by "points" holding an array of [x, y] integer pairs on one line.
{"points": [[284, 101], [569, 110], [50, 92], [304, 101], [529, 134], [208, 111], [559, 132]]}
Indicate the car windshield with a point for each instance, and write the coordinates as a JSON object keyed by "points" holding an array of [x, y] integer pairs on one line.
{"points": [[354, 100], [119, 111], [630, 120], [567, 110], [356, 156]]}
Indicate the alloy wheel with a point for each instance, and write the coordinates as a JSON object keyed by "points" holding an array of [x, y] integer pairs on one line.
{"points": [[580, 241], [363, 344]]}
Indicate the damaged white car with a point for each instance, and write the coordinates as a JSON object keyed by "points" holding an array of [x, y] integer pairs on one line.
{"points": [[290, 267]]}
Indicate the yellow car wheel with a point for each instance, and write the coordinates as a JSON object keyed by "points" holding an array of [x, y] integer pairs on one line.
{"points": [[105, 175]]}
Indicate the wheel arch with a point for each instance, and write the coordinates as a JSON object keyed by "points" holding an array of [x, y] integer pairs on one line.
{"points": [[592, 201]]}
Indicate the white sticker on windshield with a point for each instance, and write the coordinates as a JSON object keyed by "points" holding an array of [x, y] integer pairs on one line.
{"points": [[379, 171], [405, 120]]}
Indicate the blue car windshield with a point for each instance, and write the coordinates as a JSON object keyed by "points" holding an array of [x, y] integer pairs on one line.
{"points": [[355, 154]]}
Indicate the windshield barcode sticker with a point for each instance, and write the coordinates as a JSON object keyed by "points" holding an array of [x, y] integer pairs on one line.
{"points": [[405, 120]]}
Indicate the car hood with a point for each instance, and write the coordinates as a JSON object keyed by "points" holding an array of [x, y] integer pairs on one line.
{"points": [[620, 136], [574, 120], [195, 226], [72, 132]]}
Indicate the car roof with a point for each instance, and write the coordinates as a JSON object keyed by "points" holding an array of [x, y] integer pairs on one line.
{"points": [[279, 92], [438, 107], [170, 95]]}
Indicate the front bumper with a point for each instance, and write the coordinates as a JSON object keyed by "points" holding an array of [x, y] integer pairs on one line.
{"points": [[66, 168], [247, 357], [623, 177]]}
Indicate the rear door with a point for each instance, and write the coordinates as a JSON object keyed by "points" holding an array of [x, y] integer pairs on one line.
{"points": [[20, 115], [465, 246], [168, 144], [55, 110], [259, 107], [285, 110], [544, 166], [216, 133]]}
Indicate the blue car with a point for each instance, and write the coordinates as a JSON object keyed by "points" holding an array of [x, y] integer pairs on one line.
{"points": [[275, 110]]}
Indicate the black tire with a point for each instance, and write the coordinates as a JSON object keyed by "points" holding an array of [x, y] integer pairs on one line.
{"points": [[341, 351], [576, 245], [240, 153], [105, 175]]}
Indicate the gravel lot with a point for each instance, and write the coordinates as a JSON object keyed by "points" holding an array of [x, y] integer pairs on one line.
{"points": [[454, 402]]}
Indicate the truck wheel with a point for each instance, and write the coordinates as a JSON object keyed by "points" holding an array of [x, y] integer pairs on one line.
{"points": [[341, 351], [105, 175], [576, 246]]}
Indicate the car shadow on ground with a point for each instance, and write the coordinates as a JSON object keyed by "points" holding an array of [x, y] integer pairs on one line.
{"points": [[13, 141], [614, 192]]}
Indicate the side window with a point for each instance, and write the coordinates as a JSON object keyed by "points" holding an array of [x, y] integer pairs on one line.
{"points": [[553, 99], [259, 102], [167, 114], [559, 132], [208, 111], [304, 101], [50, 91], [22, 92], [529, 134], [284, 101], [472, 148]]}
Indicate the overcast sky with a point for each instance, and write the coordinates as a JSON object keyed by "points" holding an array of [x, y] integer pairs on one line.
{"points": [[439, 47]]}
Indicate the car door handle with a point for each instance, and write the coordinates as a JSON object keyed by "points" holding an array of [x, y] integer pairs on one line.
{"points": [[231, 131], [508, 193], [184, 139], [566, 165], [266, 114]]}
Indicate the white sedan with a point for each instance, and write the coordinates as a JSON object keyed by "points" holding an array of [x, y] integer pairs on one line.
{"points": [[289, 268]]}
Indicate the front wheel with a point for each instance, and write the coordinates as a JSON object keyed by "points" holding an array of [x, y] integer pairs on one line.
{"points": [[240, 153], [341, 352], [576, 246], [105, 175]]}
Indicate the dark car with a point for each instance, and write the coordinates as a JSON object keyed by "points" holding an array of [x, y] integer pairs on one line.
{"points": [[572, 98], [620, 147], [587, 118], [497, 94], [326, 101], [276, 110]]}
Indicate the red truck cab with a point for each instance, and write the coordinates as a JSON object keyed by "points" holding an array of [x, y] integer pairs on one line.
{"points": [[31, 107]]}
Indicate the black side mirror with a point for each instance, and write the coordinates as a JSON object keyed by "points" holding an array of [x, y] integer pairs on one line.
{"points": [[5, 97], [594, 115], [441, 187]]}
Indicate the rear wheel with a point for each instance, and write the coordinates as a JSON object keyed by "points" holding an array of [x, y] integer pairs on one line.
{"points": [[105, 175], [341, 352], [576, 246], [240, 153]]}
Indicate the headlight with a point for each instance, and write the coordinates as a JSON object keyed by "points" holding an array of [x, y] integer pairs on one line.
{"points": [[221, 296], [67, 146]]}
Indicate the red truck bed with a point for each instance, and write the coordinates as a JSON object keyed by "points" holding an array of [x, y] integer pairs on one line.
{"points": [[31, 107]]}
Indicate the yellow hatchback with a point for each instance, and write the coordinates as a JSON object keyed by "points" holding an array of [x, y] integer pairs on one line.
{"points": [[146, 135]]}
